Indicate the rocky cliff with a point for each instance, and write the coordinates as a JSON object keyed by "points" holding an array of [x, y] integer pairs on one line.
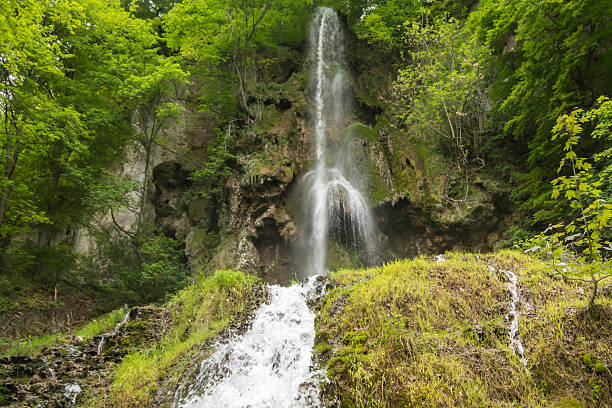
{"points": [[423, 203]]}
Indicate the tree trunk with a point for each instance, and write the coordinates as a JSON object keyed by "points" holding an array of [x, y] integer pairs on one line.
{"points": [[3, 204], [145, 185]]}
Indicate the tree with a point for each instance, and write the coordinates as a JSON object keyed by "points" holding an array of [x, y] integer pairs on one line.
{"points": [[223, 36], [150, 90], [546, 57], [587, 234], [441, 89], [380, 22], [28, 60], [64, 67]]}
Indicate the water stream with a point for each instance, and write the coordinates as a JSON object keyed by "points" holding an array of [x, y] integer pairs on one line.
{"points": [[514, 336], [332, 200], [103, 337], [268, 366], [515, 339]]}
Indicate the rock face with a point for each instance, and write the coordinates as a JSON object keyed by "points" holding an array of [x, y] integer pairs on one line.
{"points": [[422, 202]]}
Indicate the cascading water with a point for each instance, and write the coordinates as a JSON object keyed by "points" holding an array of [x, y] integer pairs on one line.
{"points": [[333, 202], [271, 364], [516, 344]]}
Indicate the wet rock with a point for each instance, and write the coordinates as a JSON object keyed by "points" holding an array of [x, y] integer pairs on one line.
{"points": [[60, 375]]}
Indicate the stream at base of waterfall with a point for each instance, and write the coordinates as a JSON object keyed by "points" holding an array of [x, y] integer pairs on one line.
{"points": [[270, 365]]}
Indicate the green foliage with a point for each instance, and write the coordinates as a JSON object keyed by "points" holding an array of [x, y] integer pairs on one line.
{"points": [[517, 234], [141, 269], [211, 178], [31, 346], [380, 22], [547, 57], [586, 235], [71, 75], [441, 89], [223, 38]]}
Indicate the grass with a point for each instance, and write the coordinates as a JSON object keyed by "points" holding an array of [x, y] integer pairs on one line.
{"points": [[424, 334], [104, 324], [32, 346], [200, 312]]}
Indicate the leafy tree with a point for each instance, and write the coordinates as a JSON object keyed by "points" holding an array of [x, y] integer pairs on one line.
{"points": [[149, 9], [210, 179], [222, 37], [587, 234], [144, 268], [65, 71], [150, 90], [380, 22], [441, 89], [547, 56]]}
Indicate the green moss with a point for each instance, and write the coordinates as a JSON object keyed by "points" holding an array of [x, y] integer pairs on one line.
{"points": [[570, 403], [200, 312], [425, 334], [323, 350], [338, 257], [269, 165], [587, 360]]}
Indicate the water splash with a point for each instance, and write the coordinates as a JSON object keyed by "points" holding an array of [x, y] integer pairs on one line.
{"points": [[71, 392], [333, 202], [270, 365]]}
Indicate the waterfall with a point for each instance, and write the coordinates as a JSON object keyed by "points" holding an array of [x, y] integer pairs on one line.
{"points": [[269, 366], [333, 202]]}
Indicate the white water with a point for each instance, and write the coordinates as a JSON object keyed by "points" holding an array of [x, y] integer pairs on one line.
{"points": [[332, 201], [513, 315], [126, 319], [515, 338], [269, 366], [71, 392]]}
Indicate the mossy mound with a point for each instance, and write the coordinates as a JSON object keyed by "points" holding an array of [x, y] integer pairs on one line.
{"points": [[427, 333], [140, 359], [199, 313]]}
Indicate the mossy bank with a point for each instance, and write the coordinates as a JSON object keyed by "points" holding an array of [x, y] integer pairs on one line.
{"points": [[435, 333], [427, 332], [137, 365]]}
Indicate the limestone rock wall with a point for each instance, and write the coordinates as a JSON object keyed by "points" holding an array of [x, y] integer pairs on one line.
{"points": [[422, 202]]}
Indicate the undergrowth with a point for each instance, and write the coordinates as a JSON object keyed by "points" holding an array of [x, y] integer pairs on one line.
{"points": [[199, 312], [33, 345], [422, 333]]}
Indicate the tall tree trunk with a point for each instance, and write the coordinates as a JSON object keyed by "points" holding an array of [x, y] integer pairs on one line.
{"points": [[3, 204]]}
